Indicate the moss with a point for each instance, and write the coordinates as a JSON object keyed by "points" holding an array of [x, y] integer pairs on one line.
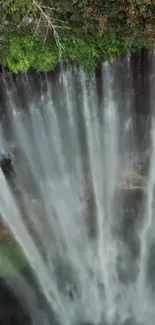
{"points": [[12, 258], [16, 17]]}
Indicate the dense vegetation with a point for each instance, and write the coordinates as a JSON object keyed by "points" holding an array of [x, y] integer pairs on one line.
{"points": [[37, 33]]}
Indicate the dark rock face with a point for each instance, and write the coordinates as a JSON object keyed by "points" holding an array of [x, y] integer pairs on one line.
{"points": [[22, 304], [11, 310], [6, 163]]}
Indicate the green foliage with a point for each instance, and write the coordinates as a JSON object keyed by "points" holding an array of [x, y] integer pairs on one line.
{"points": [[82, 49], [111, 45], [46, 57], [14, 6], [95, 29], [20, 53], [26, 51]]}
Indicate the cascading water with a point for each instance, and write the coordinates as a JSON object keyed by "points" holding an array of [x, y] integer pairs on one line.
{"points": [[74, 151]]}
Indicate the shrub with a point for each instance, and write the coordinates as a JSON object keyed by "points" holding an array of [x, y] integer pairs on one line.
{"points": [[86, 30], [26, 51]]}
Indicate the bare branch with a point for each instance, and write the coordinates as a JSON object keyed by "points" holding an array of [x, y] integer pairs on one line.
{"points": [[50, 25], [45, 37], [38, 23], [50, 8]]}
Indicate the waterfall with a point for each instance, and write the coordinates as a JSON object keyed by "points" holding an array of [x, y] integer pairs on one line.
{"points": [[76, 160]]}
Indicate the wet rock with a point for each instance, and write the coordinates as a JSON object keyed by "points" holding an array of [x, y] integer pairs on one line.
{"points": [[71, 291], [11, 309], [6, 163], [22, 302], [133, 176], [7, 169]]}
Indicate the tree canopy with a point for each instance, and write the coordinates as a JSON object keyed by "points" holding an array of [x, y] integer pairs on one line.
{"points": [[38, 33]]}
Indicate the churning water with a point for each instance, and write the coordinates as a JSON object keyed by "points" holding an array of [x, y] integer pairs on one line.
{"points": [[76, 161]]}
